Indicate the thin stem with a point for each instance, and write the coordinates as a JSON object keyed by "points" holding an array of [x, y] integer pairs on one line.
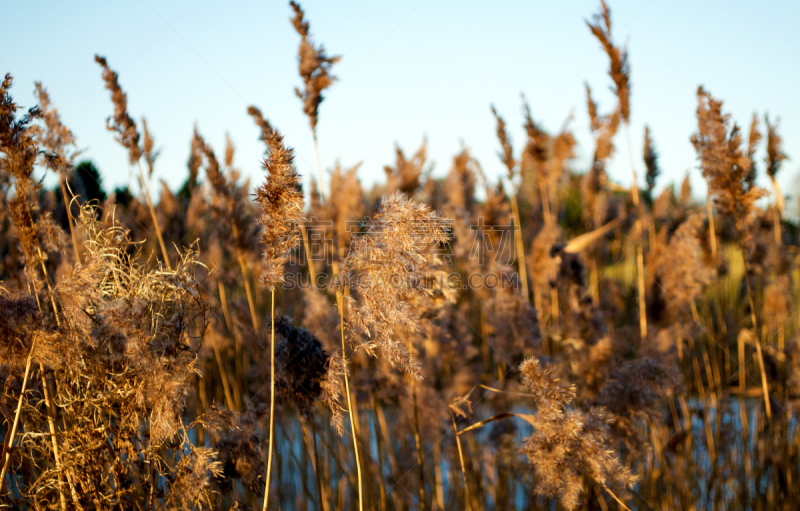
{"points": [[438, 475], [386, 439], [776, 219], [70, 220], [712, 232], [548, 220], [49, 287], [155, 218], [640, 280], [319, 168], [306, 241], [523, 270], [461, 459], [638, 235], [50, 413], [594, 283], [622, 504], [271, 401], [51, 425], [223, 376], [312, 274], [250, 301], [764, 386], [239, 353], [420, 458], [776, 213], [350, 410], [16, 420]]}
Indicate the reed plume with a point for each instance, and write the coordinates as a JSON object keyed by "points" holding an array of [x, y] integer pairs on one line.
{"points": [[148, 150], [567, 443], [114, 365], [56, 139], [121, 122], [650, 157], [314, 66], [387, 266], [507, 157], [281, 204], [58, 144], [775, 155], [261, 122], [723, 164], [774, 159], [753, 138], [620, 70], [405, 176], [683, 271], [127, 135]]}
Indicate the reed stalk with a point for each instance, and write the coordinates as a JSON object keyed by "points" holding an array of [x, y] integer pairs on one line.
{"points": [[271, 400], [70, 220], [637, 234], [522, 265], [54, 442], [757, 342], [7, 449], [467, 499], [420, 456], [238, 352], [154, 216], [351, 412]]}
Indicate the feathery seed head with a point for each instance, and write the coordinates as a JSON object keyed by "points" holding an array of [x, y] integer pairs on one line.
{"points": [[120, 122], [281, 204]]}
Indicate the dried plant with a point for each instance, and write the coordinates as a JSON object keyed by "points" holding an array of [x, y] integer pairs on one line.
{"points": [[753, 139], [57, 141], [148, 151], [262, 123], [620, 66], [567, 444], [507, 157], [121, 122], [282, 209], [683, 271], [134, 382], [405, 176], [124, 126], [725, 167], [387, 267], [127, 330], [314, 67], [507, 154], [650, 158], [774, 159], [775, 155], [301, 364]]}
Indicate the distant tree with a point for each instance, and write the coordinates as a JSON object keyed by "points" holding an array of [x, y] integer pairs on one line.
{"points": [[123, 195], [90, 181]]}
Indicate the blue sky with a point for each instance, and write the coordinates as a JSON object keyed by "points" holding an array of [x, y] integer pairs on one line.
{"points": [[409, 69]]}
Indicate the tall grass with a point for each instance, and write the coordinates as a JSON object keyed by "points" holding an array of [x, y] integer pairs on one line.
{"points": [[657, 367]]}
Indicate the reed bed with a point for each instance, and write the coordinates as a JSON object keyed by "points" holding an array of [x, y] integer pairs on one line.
{"points": [[545, 340]]}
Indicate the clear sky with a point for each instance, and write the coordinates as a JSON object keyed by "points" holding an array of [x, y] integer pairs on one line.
{"points": [[410, 68]]}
